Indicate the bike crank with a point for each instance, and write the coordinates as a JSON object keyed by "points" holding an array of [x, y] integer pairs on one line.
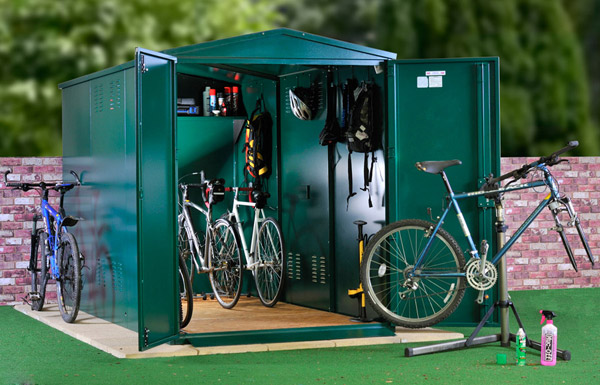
{"points": [[481, 280]]}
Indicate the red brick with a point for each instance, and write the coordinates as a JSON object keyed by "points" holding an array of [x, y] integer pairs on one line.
{"points": [[11, 161], [13, 289], [14, 273]]}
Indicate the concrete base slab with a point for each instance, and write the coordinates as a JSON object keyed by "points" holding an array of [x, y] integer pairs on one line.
{"points": [[426, 334], [123, 343]]}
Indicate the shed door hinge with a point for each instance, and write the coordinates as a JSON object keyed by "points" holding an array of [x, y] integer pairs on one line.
{"points": [[391, 152], [146, 332], [143, 67]]}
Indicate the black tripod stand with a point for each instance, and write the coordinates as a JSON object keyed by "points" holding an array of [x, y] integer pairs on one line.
{"points": [[501, 305]]}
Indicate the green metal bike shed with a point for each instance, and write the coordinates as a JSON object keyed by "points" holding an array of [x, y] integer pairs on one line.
{"points": [[122, 134]]}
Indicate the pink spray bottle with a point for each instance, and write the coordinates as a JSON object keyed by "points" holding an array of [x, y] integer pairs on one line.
{"points": [[549, 335]]}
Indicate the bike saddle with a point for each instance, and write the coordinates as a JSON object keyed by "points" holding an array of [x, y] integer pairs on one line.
{"points": [[69, 221], [436, 167], [260, 198]]}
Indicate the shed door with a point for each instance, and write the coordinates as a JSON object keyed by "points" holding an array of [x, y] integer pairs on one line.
{"points": [[441, 110], [157, 195]]}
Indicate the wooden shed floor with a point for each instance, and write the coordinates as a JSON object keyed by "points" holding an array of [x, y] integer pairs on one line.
{"points": [[250, 314]]}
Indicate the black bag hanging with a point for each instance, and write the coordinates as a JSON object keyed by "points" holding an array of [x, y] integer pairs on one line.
{"points": [[258, 144], [331, 133], [361, 134]]}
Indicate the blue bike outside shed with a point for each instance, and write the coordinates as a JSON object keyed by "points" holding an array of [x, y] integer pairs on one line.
{"points": [[122, 134]]}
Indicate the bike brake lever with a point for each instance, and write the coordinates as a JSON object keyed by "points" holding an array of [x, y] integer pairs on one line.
{"points": [[76, 177]]}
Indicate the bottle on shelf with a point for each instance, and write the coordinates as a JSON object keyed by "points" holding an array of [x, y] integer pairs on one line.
{"points": [[213, 101], [206, 101], [235, 100]]}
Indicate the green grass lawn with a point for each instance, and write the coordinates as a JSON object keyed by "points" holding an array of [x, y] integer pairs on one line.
{"points": [[33, 353]]}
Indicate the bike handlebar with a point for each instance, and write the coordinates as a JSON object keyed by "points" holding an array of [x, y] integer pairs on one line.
{"points": [[549, 160], [42, 185]]}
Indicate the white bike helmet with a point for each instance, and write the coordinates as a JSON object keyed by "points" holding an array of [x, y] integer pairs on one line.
{"points": [[299, 108]]}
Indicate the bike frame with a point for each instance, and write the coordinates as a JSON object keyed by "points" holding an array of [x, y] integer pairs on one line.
{"points": [[187, 204], [453, 204], [53, 236], [259, 217]]}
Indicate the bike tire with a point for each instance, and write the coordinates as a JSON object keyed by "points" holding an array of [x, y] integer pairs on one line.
{"points": [[68, 285], [185, 294], [225, 263], [40, 269], [269, 272], [391, 254], [185, 249]]}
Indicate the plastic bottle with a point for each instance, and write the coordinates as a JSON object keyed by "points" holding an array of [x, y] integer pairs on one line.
{"points": [[221, 103], [521, 343], [227, 92], [206, 101], [235, 101], [549, 337], [213, 100]]}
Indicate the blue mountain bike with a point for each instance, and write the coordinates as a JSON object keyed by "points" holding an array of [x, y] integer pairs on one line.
{"points": [[54, 251], [414, 273]]}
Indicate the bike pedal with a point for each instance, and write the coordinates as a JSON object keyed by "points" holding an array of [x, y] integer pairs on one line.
{"points": [[485, 246], [34, 296]]}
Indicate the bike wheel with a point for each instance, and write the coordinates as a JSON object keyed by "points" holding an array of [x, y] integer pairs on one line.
{"points": [[39, 270], [269, 254], [225, 263], [185, 248], [186, 303], [419, 301], [68, 285]]}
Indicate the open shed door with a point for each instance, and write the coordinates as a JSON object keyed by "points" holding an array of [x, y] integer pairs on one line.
{"points": [[441, 110], [157, 197]]}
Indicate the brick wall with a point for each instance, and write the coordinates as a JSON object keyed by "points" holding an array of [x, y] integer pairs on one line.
{"points": [[536, 261], [16, 214]]}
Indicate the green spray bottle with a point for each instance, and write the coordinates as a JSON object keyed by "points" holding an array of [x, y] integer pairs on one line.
{"points": [[521, 344]]}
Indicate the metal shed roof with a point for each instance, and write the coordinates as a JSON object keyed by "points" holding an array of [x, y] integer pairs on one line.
{"points": [[281, 46], [269, 54]]}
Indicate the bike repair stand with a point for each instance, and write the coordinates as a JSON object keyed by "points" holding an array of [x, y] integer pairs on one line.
{"points": [[359, 293], [502, 305]]}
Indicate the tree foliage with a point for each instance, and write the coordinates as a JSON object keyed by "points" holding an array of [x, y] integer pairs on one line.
{"points": [[43, 43], [544, 89], [585, 14]]}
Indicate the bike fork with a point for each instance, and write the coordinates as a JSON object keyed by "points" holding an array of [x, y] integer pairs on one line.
{"points": [[34, 241], [556, 209]]}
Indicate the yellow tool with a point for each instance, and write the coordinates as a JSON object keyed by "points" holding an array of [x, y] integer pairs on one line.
{"points": [[359, 293]]}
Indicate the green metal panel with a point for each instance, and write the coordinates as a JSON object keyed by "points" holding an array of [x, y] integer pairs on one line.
{"points": [[99, 138], [95, 75], [305, 202], [289, 335], [157, 197], [456, 119]]}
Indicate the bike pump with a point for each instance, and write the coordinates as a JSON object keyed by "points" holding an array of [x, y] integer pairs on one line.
{"points": [[359, 293], [502, 304]]}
